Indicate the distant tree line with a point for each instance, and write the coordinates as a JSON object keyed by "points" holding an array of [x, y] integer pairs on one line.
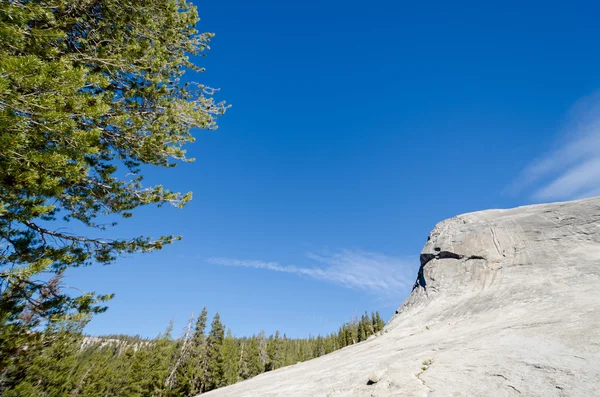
{"points": [[203, 359]]}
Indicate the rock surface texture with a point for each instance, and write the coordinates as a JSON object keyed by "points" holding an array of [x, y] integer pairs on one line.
{"points": [[506, 303]]}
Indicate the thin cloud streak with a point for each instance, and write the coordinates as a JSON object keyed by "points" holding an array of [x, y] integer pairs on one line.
{"points": [[383, 275], [572, 170]]}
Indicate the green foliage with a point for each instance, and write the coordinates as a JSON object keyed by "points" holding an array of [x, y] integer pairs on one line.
{"points": [[358, 331], [119, 365], [191, 373], [214, 354], [250, 357], [276, 352], [90, 92], [230, 353], [49, 372], [426, 364]]}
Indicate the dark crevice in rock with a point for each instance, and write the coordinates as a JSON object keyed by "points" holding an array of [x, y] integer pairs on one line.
{"points": [[475, 257], [448, 255], [425, 258], [514, 388], [420, 277]]}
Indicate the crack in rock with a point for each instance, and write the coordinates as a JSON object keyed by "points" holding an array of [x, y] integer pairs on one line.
{"points": [[514, 388]]}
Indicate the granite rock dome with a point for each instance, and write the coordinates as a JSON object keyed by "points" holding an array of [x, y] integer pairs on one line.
{"points": [[506, 303]]}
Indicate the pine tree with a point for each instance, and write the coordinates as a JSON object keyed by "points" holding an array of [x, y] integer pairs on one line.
{"points": [[164, 353], [342, 336], [230, 360], [177, 378], [262, 349], [197, 364], [379, 321], [320, 347], [89, 100], [142, 370], [271, 354], [351, 333], [252, 362], [214, 354], [330, 343], [279, 351], [374, 324], [49, 373], [289, 351], [103, 369], [307, 351], [243, 370], [362, 329]]}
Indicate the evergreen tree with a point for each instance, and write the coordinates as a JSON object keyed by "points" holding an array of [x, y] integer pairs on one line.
{"points": [[351, 333], [307, 350], [379, 321], [90, 94], [243, 370], [331, 343], [262, 349], [50, 372], [230, 360], [278, 351], [342, 342], [163, 354], [271, 354], [214, 354], [142, 370], [178, 381], [362, 329], [374, 324], [200, 328], [252, 363], [320, 347], [197, 363], [97, 382]]}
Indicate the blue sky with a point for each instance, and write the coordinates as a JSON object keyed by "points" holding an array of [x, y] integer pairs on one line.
{"points": [[355, 127]]}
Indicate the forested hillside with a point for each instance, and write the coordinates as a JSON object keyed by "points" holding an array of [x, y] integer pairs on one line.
{"points": [[204, 358]]}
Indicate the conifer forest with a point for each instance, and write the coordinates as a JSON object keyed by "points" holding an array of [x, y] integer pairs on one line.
{"points": [[205, 357]]}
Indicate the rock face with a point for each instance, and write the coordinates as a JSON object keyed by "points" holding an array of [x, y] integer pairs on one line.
{"points": [[506, 303]]}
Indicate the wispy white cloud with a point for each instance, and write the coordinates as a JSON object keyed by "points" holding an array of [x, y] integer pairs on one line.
{"points": [[383, 275], [572, 169]]}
